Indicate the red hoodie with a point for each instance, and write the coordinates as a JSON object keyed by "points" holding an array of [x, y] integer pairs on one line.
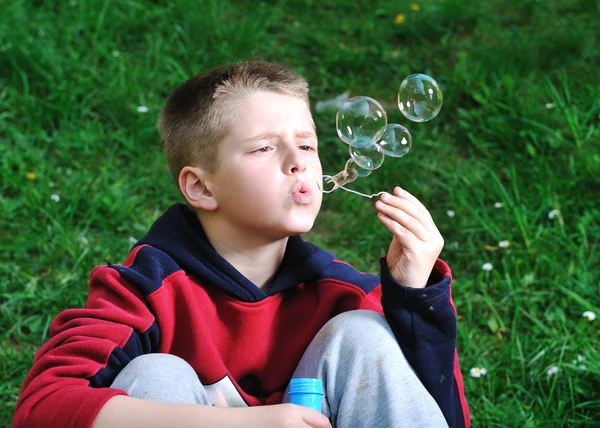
{"points": [[175, 294]]}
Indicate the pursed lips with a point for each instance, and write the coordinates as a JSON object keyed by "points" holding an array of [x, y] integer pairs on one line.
{"points": [[302, 193]]}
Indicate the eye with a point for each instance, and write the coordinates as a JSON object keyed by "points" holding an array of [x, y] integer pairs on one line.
{"points": [[264, 149], [307, 147]]}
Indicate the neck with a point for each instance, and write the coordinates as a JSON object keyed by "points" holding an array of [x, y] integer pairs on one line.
{"points": [[256, 257]]}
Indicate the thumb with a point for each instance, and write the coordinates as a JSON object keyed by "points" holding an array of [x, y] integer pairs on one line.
{"points": [[316, 419]]}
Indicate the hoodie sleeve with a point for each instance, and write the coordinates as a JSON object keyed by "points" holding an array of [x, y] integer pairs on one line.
{"points": [[70, 378], [424, 323]]}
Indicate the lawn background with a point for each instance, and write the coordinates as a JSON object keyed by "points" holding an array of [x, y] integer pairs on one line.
{"points": [[519, 126]]}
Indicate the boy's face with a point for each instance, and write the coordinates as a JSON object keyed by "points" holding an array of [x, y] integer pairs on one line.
{"points": [[269, 167]]}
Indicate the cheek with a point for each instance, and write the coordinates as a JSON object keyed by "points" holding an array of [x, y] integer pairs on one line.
{"points": [[320, 196], [255, 182], [317, 168]]}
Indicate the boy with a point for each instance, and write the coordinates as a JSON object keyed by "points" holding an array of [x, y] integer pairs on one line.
{"points": [[222, 303]]}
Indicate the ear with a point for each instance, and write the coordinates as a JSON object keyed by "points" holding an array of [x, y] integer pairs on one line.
{"points": [[194, 183]]}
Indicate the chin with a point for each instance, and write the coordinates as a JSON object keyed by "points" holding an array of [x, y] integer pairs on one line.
{"points": [[298, 230], [300, 227]]}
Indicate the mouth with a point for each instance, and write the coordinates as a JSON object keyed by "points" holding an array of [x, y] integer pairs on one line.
{"points": [[302, 194]]}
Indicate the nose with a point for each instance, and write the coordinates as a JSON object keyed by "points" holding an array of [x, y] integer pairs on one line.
{"points": [[296, 161]]}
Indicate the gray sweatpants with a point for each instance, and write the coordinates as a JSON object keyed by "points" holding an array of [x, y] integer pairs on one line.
{"points": [[367, 380]]}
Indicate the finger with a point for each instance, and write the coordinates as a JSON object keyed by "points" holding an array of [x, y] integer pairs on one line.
{"points": [[403, 219], [315, 419], [405, 237], [422, 209], [410, 208]]}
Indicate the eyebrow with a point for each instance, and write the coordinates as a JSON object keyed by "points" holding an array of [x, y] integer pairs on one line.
{"points": [[267, 135]]}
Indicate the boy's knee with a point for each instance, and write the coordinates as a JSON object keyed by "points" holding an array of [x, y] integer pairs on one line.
{"points": [[357, 317], [160, 361], [161, 377], [358, 329], [150, 366]]}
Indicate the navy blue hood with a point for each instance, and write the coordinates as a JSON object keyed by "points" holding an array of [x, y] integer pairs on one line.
{"points": [[179, 234]]}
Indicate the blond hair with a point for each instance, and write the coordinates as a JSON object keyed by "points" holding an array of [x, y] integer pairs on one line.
{"points": [[198, 114]]}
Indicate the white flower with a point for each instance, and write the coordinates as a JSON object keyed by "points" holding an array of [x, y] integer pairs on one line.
{"points": [[132, 240], [454, 245], [142, 109], [478, 371], [504, 244], [116, 54], [549, 106], [498, 205], [450, 213], [552, 370], [553, 214], [55, 197], [487, 267], [83, 240], [589, 315], [580, 357]]}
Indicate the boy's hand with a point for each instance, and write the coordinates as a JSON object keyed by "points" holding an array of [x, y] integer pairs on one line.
{"points": [[282, 415], [417, 242]]}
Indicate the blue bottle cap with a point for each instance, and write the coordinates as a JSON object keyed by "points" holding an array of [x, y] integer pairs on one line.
{"points": [[306, 386]]}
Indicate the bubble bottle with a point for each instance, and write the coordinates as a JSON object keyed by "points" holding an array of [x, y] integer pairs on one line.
{"points": [[306, 392]]}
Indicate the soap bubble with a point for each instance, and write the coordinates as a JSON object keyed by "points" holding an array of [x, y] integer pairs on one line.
{"points": [[360, 117], [420, 98], [370, 157], [360, 142], [350, 174], [353, 169], [395, 140]]}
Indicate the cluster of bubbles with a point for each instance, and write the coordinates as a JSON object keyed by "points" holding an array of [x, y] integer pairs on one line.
{"points": [[361, 123]]}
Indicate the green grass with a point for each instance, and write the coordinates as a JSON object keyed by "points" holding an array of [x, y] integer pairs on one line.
{"points": [[73, 73]]}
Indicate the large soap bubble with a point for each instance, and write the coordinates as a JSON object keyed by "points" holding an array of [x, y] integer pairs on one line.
{"points": [[359, 120], [395, 140], [420, 98]]}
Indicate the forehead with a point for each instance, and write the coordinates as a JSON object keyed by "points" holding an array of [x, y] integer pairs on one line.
{"points": [[269, 111]]}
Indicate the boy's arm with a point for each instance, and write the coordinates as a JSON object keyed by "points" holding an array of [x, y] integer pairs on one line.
{"points": [[416, 300], [67, 385], [424, 323], [123, 411]]}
